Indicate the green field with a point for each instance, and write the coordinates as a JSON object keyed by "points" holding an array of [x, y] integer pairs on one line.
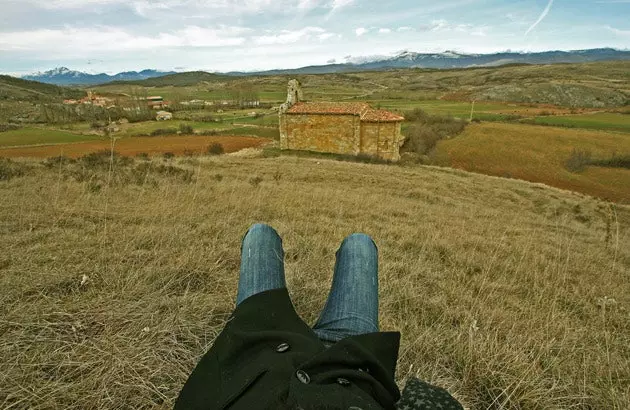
{"points": [[482, 111], [598, 121], [36, 136], [147, 127]]}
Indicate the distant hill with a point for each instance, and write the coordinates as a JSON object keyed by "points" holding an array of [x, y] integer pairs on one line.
{"points": [[450, 59], [178, 79], [65, 76], [12, 88]]}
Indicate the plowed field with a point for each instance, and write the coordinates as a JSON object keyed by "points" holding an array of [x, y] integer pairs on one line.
{"points": [[178, 145]]}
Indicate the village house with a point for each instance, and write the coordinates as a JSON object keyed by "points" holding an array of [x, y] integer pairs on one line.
{"points": [[156, 102], [92, 99], [352, 128]]}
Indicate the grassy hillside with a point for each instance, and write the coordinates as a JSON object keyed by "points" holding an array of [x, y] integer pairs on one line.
{"points": [[12, 88], [178, 80], [593, 85], [537, 153], [509, 294]]}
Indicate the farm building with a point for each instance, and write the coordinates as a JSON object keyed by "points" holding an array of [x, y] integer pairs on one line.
{"points": [[163, 116], [340, 128], [156, 102]]}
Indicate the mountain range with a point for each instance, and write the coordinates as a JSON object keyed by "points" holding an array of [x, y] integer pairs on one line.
{"points": [[452, 59], [65, 76], [405, 59]]}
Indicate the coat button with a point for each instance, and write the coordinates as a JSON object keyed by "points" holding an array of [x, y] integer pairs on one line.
{"points": [[282, 347], [343, 382], [303, 376]]}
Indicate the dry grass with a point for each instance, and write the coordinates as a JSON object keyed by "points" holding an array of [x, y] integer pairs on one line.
{"points": [[538, 154], [510, 294]]}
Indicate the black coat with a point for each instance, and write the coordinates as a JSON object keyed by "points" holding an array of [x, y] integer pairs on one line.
{"points": [[268, 358]]}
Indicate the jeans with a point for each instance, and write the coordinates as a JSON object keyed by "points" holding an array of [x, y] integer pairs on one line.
{"points": [[352, 304]]}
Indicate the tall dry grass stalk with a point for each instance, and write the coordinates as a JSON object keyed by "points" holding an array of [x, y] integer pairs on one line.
{"points": [[511, 295]]}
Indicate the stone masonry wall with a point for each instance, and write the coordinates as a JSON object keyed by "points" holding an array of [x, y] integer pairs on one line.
{"points": [[338, 134], [381, 140]]}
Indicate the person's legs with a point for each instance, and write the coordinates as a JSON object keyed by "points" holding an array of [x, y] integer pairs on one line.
{"points": [[262, 262], [352, 305]]}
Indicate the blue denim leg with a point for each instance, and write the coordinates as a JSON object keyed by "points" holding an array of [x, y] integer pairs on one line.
{"points": [[262, 262], [352, 305]]}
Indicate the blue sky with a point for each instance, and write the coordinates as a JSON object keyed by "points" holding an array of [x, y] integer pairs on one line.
{"points": [[222, 35]]}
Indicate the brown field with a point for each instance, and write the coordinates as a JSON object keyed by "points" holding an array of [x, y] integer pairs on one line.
{"points": [[537, 154], [178, 145], [510, 294]]}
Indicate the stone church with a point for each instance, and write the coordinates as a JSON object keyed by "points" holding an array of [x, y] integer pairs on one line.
{"points": [[338, 127]]}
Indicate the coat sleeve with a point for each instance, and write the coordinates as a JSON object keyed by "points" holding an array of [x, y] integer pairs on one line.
{"points": [[198, 393]]}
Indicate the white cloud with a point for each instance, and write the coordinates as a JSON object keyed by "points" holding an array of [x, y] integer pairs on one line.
{"points": [[619, 32], [443, 26], [384, 31], [404, 28], [208, 8], [326, 36], [69, 41], [339, 4], [292, 36], [436, 25], [361, 31]]}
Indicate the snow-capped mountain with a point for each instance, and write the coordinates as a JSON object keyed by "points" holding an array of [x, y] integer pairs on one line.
{"points": [[65, 76], [453, 59]]}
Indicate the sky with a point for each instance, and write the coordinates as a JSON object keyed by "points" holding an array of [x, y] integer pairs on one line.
{"points": [[245, 35]]}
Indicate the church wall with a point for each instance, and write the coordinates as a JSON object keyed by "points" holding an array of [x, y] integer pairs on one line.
{"points": [[338, 134], [381, 139]]}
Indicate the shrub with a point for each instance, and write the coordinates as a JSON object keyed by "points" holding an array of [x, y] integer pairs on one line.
{"points": [[578, 160], [103, 159], [421, 139], [9, 127], [142, 171], [615, 161], [10, 169], [209, 132], [255, 181], [186, 129], [143, 156], [163, 131], [54, 162], [168, 155], [426, 130], [215, 149]]}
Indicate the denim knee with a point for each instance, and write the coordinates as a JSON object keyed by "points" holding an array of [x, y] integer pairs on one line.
{"points": [[359, 239], [256, 230]]}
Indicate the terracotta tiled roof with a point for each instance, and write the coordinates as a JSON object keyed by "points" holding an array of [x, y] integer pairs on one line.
{"points": [[329, 108], [381, 116], [350, 108]]}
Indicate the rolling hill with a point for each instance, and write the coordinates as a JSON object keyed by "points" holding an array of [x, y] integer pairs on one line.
{"points": [[177, 79], [12, 88]]}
